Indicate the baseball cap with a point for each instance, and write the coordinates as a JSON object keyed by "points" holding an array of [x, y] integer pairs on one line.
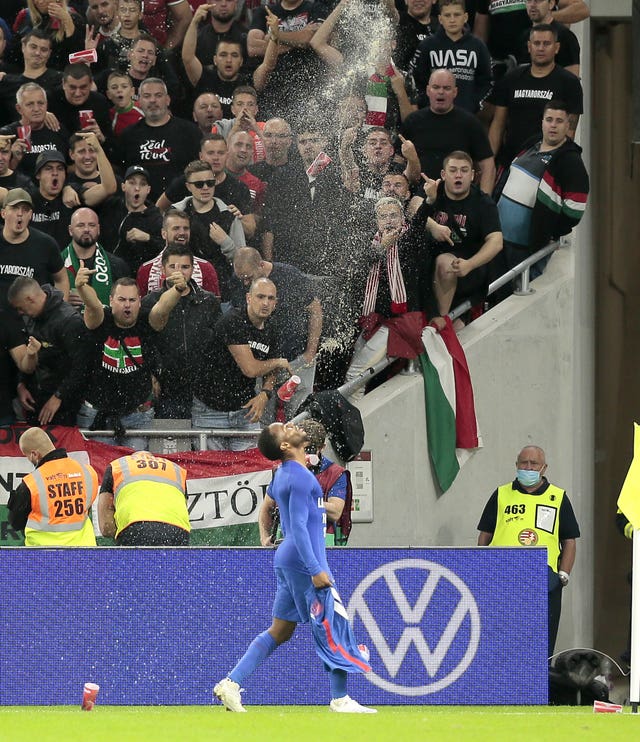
{"points": [[136, 170], [50, 155], [17, 196]]}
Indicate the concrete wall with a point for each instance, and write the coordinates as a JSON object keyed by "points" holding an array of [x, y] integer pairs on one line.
{"points": [[531, 363]]}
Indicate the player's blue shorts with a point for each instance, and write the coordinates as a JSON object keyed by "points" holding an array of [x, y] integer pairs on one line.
{"points": [[299, 601], [290, 603]]}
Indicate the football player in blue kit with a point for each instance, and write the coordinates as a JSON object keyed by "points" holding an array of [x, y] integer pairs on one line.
{"points": [[305, 586]]}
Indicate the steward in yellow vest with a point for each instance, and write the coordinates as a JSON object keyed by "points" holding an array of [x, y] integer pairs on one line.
{"points": [[52, 504], [143, 502], [532, 512]]}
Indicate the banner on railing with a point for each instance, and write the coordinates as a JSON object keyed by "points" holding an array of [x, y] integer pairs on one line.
{"points": [[225, 489]]}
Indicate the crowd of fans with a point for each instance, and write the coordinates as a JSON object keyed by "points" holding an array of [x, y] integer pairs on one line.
{"points": [[201, 199]]}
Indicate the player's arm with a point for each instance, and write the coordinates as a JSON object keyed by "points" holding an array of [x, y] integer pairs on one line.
{"points": [[265, 520], [484, 538], [334, 507]]}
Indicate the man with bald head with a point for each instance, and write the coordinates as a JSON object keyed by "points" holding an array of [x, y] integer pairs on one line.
{"points": [[245, 348], [530, 511], [85, 230], [52, 503], [54, 391], [443, 127]]}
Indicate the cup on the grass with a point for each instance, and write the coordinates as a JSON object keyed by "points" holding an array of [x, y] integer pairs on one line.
{"points": [[602, 707], [89, 696], [288, 389], [24, 132], [85, 118]]}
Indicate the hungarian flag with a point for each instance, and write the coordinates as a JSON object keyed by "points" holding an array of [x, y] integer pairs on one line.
{"points": [[452, 427]]}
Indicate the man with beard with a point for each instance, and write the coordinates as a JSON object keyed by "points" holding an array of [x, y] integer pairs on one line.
{"points": [[228, 59], [25, 251], [161, 143], [176, 233], [53, 392], [121, 394], [50, 214], [146, 60], [132, 231], [104, 14], [32, 107], [221, 25], [85, 230]]}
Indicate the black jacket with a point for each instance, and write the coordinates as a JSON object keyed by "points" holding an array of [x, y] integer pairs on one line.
{"points": [[188, 332], [66, 356], [114, 230]]}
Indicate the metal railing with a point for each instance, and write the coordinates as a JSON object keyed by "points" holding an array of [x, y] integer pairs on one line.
{"points": [[519, 273]]}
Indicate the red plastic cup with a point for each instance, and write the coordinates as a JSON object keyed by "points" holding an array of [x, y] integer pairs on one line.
{"points": [[86, 55], [288, 389], [89, 696], [24, 132], [85, 118], [602, 707]]}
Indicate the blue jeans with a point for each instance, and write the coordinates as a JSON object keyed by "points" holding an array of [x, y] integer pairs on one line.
{"points": [[204, 417], [132, 421]]}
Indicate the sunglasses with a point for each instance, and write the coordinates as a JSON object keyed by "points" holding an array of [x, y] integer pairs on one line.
{"points": [[202, 183]]}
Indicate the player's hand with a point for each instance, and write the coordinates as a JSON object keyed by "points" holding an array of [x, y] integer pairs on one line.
{"points": [[266, 541], [83, 276], [321, 580]]}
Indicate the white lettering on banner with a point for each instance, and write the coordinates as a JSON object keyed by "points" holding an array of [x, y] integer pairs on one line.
{"points": [[464, 612], [226, 501]]}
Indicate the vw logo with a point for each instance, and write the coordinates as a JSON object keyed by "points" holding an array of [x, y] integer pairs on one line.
{"points": [[444, 614]]}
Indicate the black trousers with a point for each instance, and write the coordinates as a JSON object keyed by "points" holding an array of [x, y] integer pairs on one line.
{"points": [[153, 533]]}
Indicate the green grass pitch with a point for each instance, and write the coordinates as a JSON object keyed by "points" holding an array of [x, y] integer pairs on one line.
{"points": [[293, 723]]}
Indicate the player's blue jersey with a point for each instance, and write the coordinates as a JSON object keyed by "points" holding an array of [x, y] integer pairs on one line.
{"points": [[303, 518]]}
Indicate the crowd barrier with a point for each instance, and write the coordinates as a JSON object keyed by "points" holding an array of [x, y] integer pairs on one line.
{"points": [[162, 626]]}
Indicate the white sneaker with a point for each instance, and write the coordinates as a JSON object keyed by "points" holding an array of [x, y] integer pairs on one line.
{"points": [[347, 705], [228, 693]]}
